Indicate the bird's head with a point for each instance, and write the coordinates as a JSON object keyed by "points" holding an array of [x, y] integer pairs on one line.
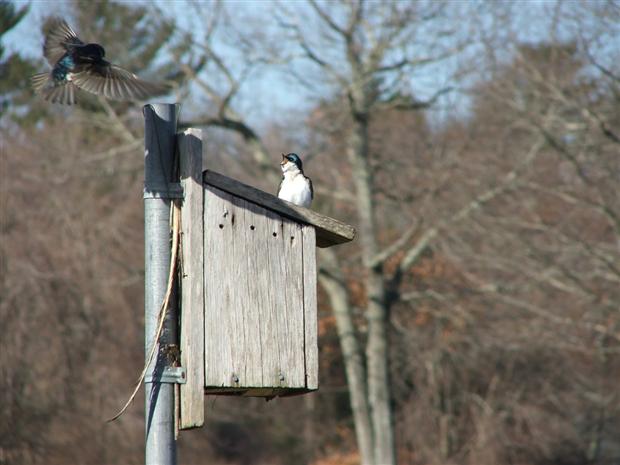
{"points": [[94, 51], [291, 162]]}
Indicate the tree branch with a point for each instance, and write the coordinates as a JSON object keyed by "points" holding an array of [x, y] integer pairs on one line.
{"points": [[401, 102], [325, 17], [414, 253]]}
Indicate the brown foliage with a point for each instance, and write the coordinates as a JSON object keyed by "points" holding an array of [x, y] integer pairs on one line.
{"points": [[503, 334]]}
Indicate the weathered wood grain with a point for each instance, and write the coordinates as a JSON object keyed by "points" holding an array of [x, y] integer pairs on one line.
{"points": [[310, 308], [254, 296], [285, 255], [249, 296], [328, 230], [192, 304], [218, 350]]}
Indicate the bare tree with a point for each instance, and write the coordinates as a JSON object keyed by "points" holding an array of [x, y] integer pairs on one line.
{"points": [[367, 55], [525, 311], [477, 311]]}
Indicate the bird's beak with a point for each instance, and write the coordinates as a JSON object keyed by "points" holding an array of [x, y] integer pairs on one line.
{"points": [[284, 160]]}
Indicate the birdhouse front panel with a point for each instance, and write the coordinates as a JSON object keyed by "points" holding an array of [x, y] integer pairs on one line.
{"points": [[259, 297]]}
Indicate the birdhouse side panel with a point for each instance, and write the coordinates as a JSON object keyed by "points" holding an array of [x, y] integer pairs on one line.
{"points": [[191, 409], [254, 297], [310, 307]]}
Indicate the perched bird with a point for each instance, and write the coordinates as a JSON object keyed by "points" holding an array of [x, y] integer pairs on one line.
{"points": [[295, 186], [76, 64]]}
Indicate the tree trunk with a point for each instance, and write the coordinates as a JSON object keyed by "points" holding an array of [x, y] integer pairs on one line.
{"points": [[378, 375], [376, 312], [333, 283]]}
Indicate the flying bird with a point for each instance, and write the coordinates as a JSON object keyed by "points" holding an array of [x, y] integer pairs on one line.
{"points": [[79, 65], [295, 186]]}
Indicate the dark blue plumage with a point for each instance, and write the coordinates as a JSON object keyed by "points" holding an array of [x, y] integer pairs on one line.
{"points": [[294, 158], [78, 65], [62, 68]]}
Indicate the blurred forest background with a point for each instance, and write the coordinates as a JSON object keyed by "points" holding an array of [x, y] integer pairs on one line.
{"points": [[474, 145]]}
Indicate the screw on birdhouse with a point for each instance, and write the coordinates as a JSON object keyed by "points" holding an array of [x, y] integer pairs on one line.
{"points": [[225, 213], [281, 377], [235, 379]]}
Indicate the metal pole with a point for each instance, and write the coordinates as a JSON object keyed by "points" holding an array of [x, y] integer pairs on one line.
{"points": [[160, 123]]}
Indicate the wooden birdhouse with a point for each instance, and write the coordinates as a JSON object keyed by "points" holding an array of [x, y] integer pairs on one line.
{"points": [[248, 288]]}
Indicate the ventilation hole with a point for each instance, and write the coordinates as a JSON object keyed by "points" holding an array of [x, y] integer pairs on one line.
{"points": [[292, 239], [252, 227], [275, 234], [221, 226]]}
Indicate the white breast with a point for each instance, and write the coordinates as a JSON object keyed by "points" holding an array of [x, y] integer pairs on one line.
{"points": [[296, 189]]}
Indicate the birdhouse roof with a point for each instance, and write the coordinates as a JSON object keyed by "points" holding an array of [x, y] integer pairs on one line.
{"points": [[329, 231]]}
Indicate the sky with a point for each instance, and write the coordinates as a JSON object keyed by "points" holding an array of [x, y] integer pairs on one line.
{"points": [[271, 95]]}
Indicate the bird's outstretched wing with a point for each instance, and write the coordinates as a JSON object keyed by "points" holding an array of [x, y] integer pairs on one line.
{"points": [[57, 40], [116, 83], [43, 84]]}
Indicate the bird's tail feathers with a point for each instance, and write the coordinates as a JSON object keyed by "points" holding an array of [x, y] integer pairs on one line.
{"points": [[43, 84], [64, 94]]}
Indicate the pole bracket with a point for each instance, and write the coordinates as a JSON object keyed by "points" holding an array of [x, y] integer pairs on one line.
{"points": [[172, 190], [172, 375]]}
